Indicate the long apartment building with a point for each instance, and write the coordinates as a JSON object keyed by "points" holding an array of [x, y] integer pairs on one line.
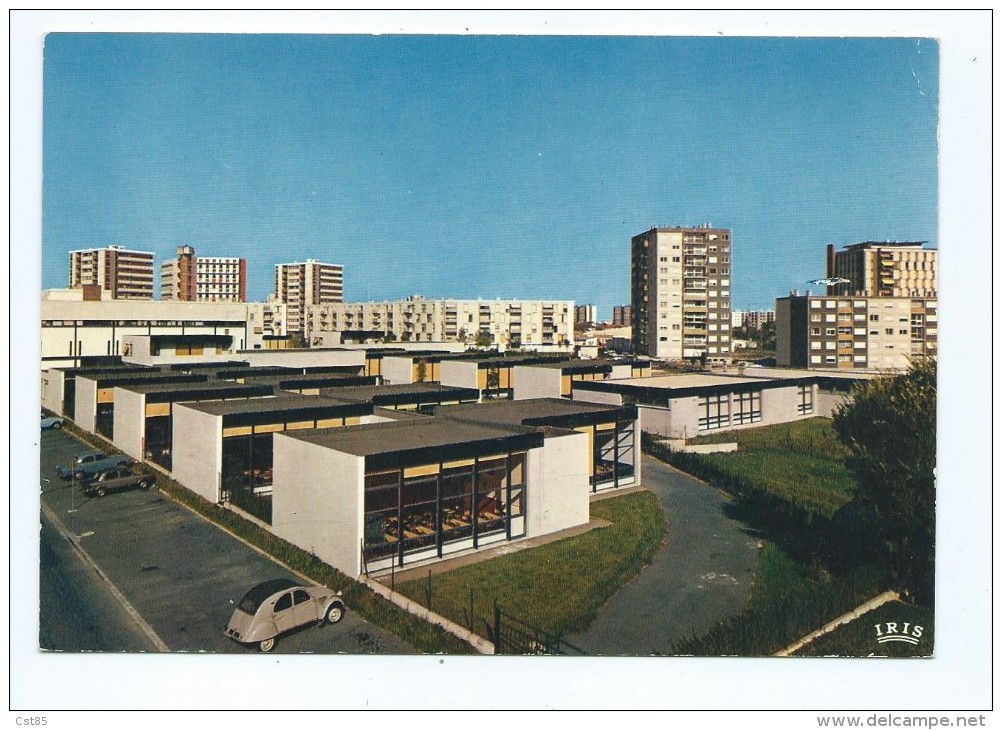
{"points": [[191, 278], [502, 323], [884, 269], [300, 285], [881, 333], [681, 292], [113, 272]]}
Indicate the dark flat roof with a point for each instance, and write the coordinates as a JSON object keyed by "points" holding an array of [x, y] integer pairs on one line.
{"points": [[257, 372], [399, 393], [110, 380], [163, 392], [423, 438], [222, 365], [110, 369], [558, 412], [281, 402]]}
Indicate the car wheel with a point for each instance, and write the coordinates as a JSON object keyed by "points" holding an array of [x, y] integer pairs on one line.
{"points": [[78, 475], [145, 483], [267, 645], [57, 425], [335, 613], [100, 492]]}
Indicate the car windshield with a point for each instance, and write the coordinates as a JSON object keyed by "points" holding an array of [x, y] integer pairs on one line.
{"points": [[257, 595]]}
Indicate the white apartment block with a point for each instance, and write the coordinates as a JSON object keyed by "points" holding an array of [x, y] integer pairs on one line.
{"points": [[873, 333], [507, 324], [681, 292], [302, 284], [122, 273], [192, 278]]}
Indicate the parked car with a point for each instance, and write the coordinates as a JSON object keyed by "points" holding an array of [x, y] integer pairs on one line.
{"points": [[280, 605], [116, 479], [89, 463], [53, 422]]}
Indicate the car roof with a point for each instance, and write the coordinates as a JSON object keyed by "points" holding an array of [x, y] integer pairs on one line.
{"points": [[90, 453], [261, 592]]}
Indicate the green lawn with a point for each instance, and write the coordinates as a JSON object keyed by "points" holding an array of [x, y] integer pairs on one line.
{"points": [[560, 586], [802, 462]]}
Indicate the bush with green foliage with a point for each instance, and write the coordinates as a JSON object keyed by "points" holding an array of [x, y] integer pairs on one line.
{"points": [[889, 426]]}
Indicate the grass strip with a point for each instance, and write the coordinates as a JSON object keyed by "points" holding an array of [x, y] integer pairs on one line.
{"points": [[559, 586]]}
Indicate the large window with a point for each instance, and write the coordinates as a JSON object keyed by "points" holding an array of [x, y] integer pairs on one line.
{"points": [[747, 407], [431, 506], [714, 412]]}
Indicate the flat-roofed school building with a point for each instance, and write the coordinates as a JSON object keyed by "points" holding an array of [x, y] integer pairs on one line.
{"points": [[222, 449], [143, 416], [553, 379], [420, 397], [94, 402], [613, 431], [491, 374], [59, 384], [683, 406], [364, 498]]}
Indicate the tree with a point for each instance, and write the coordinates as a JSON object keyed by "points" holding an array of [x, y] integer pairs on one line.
{"points": [[483, 339], [889, 425]]}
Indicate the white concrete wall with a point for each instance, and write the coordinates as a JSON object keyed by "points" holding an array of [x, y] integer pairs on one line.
{"points": [[398, 370], [197, 451], [303, 358], [593, 396], [536, 382], [460, 373], [52, 390], [657, 420], [557, 489], [317, 501], [130, 422], [826, 403], [85, 405]]}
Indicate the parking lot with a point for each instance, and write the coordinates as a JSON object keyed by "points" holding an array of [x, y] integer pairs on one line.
{"points": [[180, 573]]}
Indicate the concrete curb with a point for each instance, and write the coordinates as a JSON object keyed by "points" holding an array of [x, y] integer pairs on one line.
{"points": [[885, 597], [479, 643], [117, 594]]}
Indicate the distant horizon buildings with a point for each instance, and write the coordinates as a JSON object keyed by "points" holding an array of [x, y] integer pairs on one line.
{"points": [[300, 285], [885, 316], [884, 269], [585, 314], [506, 324], [752, 319], [622, 315], [119, 272], [681, 292], [191, 278]]}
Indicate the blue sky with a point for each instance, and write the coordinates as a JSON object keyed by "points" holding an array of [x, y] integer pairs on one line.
{"points": [[511, 166]]}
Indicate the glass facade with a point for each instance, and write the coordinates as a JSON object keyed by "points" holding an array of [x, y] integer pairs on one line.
{"points": [[430, 507]]}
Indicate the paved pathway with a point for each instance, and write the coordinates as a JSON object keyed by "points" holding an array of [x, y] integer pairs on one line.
{"points": [[702, 576]]}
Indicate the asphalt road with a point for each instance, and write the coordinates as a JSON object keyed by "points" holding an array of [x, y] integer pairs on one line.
{"points": [[181, 575], [702, 576], [80, 614]]}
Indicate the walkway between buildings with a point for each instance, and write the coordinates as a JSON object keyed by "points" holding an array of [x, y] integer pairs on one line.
{"points": [[702, 576]]}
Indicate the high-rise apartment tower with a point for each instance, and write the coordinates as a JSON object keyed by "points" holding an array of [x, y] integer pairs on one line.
{"points": [[191, 278], [884, 269], [306, 283], [124, 274], [681, 292]]}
